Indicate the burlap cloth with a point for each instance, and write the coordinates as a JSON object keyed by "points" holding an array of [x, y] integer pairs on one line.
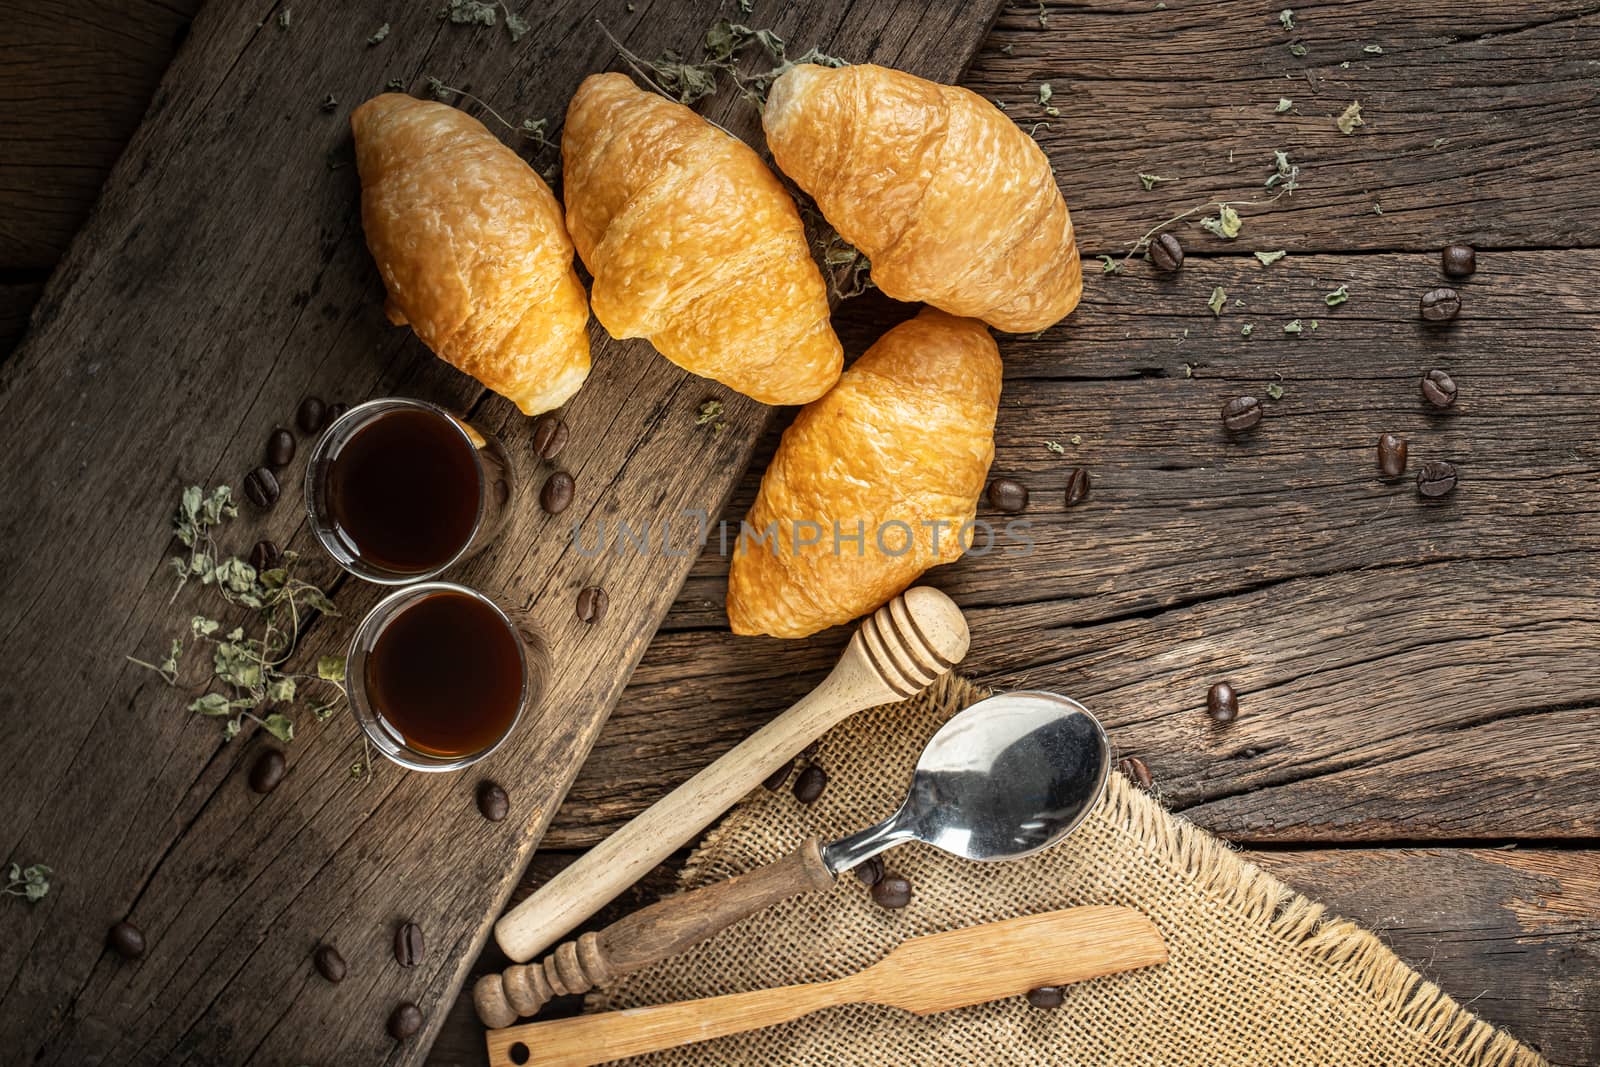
{"points": [[1258, 974]]}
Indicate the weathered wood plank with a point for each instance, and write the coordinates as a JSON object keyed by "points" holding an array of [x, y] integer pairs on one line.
{"points": [[1482, 122], [77, 79], [223, 276], [1514, 932]]}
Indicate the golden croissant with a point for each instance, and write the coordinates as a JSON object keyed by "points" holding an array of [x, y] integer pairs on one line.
{"points": [[950, 201], [694, 244], [472, 250], [872, 484]]}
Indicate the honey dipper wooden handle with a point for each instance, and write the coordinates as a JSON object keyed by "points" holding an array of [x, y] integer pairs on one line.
{"points": [[647, 936], [897, 652]]}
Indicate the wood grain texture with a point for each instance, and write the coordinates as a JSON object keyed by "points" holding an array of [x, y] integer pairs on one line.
{"points": [[224, 271], [1482, 122]]}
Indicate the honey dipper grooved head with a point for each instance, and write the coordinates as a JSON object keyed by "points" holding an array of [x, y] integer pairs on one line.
{"points": [[914, 638]]}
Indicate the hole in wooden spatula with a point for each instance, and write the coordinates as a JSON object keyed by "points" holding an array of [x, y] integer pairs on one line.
{"points": [[519, 1053]]}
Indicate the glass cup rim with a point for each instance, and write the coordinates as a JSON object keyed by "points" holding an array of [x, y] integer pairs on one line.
{"points": [[369, 718], [322, 453]]}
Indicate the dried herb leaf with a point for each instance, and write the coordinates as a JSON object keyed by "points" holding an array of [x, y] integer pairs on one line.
{"points": [[1275, 391], [284, 18], [1150, 181], [1054, 447], [1284, 104], [468, 12], [1293, 327], [1298, 50], [1109, 265], [1373, 49], [1269, 258], [1338, 296], [30, 883], [1350, 119], [1219, 298], [516, 26], [330, 668], [378, 35], [1247, 329], [1226, 224], [1286, 17], [279, 726], [1045, 93]]}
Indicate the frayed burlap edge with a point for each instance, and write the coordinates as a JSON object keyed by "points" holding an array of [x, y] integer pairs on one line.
{"points": [[1351, 956]]}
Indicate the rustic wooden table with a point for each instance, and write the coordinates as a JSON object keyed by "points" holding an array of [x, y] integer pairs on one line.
{"points": [[1418, 744]]}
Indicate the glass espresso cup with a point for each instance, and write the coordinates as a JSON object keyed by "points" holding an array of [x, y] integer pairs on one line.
{"points": [[439, 674], [400, 490]]}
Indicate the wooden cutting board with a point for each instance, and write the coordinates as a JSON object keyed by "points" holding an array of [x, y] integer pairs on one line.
{"points": [[223, 277]]}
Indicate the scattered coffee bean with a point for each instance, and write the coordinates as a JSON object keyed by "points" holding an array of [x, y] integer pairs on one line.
{"points": [[1166, 253], [1438, 389], [1440, 305], [1077, 486], [1134, 768], [1458, 260], [556, 496], [891, 891], [550, 436], [404, 1021], [493, 804], [592, 602], [336, 412], [810, 784], [329, 963], [408, 944], [280, 448], [268, 771], [266, 556], [261, 486], [1006, 494], [1391, 456], [312, 415], [127, 940], [811, 750], [1047, 996], [870, 873], [1222, 702], [1436, 478], [1241, 413], [774, 781]]}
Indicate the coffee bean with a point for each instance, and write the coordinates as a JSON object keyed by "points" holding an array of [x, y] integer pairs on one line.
{"points": [[261, 486], [280, 448], [556, 496], [1077, 486], [312, 415], [1047, 996], [1134, 768], [891, 891], [404, 1021], [1166, 253], [1436, 478], [408, 944], [329, 963], [1438, 389], [126, 939], [336, 412], [268, 771], [1440, 305], [811, 750], [1241, 413], [592, 603], [1222, 702], [1006, 494], [266, 556], [493, 804], [1391, 456], [550, 436], [774, 781], [1458, 260], [809, 786], [870, 873]]}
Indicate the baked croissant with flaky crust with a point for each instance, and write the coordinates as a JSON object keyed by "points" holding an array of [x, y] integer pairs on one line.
{"points": [[472, 249], [898, 452], [694, 244], [950, 201]]}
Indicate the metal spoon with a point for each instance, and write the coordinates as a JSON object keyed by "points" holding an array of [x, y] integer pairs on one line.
{"points": [[1008, 776]]}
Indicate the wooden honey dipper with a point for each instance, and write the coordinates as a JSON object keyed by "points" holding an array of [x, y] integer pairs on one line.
{"points": [[897, 652]]}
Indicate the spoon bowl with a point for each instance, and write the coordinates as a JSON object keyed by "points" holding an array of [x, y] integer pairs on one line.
{"points": [[1004, 778]]}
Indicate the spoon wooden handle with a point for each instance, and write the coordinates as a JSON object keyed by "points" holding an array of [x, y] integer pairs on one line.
{"points": [[647, 936], [897, 652]]}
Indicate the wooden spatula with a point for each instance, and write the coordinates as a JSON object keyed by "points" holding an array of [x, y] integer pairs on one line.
{"points": [[923, 975]]}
